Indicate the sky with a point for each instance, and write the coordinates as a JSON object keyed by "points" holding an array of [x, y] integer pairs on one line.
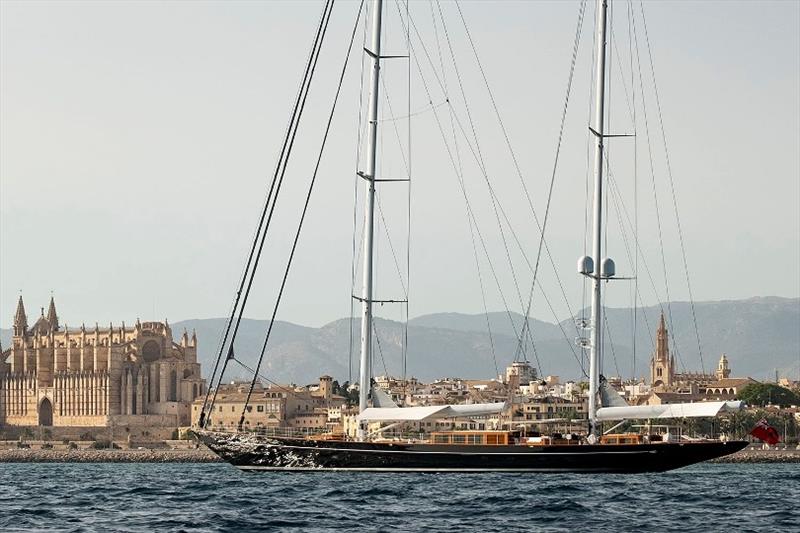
{"points": [[137, 140]]}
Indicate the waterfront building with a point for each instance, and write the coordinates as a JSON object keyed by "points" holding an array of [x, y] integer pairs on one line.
{"points": [[277, 406], [267, 407], [519, 373], [399, 390], [708, 386], [549, 407], [52, 375]]}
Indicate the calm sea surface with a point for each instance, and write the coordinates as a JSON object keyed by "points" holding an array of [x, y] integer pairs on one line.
{"points": [[217, 497]]}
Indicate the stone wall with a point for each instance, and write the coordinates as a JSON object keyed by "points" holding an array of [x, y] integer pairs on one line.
{"points": [[137, 433]]}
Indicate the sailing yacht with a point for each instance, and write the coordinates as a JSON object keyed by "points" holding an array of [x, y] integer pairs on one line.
{"points": [[480, 451]]}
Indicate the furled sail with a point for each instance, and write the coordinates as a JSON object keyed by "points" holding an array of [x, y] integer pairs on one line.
{"points": [[381, 399], [672, 410], [397, 414], [609, 397]]}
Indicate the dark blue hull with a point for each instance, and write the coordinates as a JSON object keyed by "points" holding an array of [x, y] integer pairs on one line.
{"points": [[253, 452]]}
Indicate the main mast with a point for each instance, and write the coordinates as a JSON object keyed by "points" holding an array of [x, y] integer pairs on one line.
{"points": [[374, 53], [598, 274]]}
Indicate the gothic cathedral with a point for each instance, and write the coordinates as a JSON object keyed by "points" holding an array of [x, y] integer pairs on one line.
{"points": [[57, 376]]}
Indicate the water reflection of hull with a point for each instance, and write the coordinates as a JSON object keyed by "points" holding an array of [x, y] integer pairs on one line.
{"points": [[254, 452]]}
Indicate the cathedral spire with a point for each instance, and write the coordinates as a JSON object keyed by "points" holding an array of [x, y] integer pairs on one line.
{"points": [[20, 319], [662, 365], [52, 317], [662, 340]]}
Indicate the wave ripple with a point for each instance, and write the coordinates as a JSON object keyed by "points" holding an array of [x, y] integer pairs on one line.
{"points": [[217, 497]]}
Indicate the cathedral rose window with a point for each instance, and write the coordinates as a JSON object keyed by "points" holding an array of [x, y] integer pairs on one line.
{"points": [[151, 351]]}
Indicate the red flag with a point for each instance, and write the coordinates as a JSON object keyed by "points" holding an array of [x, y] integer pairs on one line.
{"points": [[766, 433]]}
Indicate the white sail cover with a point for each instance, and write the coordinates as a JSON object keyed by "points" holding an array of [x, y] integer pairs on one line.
{"points": [[397, 414], [609, 397], [381, 399], [671, 410]]}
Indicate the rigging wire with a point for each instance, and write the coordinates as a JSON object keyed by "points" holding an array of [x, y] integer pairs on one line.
{"points": [[540, 226], [458, 175], [380, 349], [391, 248], [672, 189], [442, 85], [460, 170], [499, 205], [501, 211], [265, 378], [607, 330], [635, 191], [482, 164], [356, 255], [461, 184], [616, 197], [543, 226], [277, 187], [305, 206], [416, 113], [478, 157], [606, 212], [264, 221], [587, 183], [655, 199]]}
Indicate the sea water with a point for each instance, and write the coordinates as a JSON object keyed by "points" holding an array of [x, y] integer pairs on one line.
{"points": [[218, 497]]}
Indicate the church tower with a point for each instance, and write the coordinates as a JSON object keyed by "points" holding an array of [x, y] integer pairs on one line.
{"points": [[662, 371], [20, 320], [723, 370], [52, 317]]}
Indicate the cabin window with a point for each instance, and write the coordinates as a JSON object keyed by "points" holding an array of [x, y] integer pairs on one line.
{"points": [[459, 439], [441, 439], [249, 408], [475, 439], [260, 408]]}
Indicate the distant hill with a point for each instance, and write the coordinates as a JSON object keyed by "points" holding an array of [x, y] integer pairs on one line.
{"points": [[759, 335]]}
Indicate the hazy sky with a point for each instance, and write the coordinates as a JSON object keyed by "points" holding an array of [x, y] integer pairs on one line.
{"points": [[136, 141]]}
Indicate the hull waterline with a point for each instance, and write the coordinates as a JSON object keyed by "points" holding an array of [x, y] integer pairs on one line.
{"points": [[260, 453]]}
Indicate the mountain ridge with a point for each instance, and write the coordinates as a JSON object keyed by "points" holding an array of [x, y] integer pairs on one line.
{"points": [[758, 334]]}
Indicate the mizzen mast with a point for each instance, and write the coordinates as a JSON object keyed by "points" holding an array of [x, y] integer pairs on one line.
{"points": [[601, 268], [365, 371]]}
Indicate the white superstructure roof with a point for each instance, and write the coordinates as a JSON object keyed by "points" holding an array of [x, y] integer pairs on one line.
{"points": [[671, 410], [396, 414]]}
